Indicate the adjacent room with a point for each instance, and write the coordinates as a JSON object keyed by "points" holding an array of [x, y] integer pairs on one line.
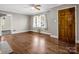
{"points": [[39, 29]]}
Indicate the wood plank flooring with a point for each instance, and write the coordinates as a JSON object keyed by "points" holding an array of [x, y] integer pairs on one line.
{"points": [[34, 43]]}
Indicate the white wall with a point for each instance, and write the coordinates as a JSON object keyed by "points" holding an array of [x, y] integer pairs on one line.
{"points": [[52, 22], [19, 22]]}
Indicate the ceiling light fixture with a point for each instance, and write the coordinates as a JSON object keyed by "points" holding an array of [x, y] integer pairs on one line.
{"points": [[37, 7]]}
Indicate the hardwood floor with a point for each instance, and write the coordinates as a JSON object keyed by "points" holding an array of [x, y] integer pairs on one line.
{"points": [[34, 43]]}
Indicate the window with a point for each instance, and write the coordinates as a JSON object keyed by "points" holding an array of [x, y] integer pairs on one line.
{"points": [[40, 21]]}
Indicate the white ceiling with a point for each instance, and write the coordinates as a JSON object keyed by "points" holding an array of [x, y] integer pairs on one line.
{"points": [[26, 8]]}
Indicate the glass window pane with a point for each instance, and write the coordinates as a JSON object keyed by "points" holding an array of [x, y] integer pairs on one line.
{"points": [[40, 21]]}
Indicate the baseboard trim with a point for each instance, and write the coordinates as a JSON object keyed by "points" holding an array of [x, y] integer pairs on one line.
{"points": [[77, 41], [20, 31], [54, 36], [46, 33], [41, 32]]}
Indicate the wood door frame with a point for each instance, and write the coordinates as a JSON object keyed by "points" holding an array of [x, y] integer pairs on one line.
{"points": [[76, 15]]}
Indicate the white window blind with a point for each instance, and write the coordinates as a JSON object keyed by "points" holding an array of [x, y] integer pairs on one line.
{"points": [[40, 21]]}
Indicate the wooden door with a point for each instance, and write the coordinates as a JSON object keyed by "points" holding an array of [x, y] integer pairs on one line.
{"points": [[66, 19]]}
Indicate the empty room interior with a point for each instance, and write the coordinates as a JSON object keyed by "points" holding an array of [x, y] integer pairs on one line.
{"points": [[39, 28]]}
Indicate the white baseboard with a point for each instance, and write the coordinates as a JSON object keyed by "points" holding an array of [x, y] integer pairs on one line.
{"points": [[77, 41], [54, 36], [46, 33], [40, 32], [33, 30], [50, 34], [20, 31]]}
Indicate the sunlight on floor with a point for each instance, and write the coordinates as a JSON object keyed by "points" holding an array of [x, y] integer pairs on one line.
{"points": [[38, 45]]}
